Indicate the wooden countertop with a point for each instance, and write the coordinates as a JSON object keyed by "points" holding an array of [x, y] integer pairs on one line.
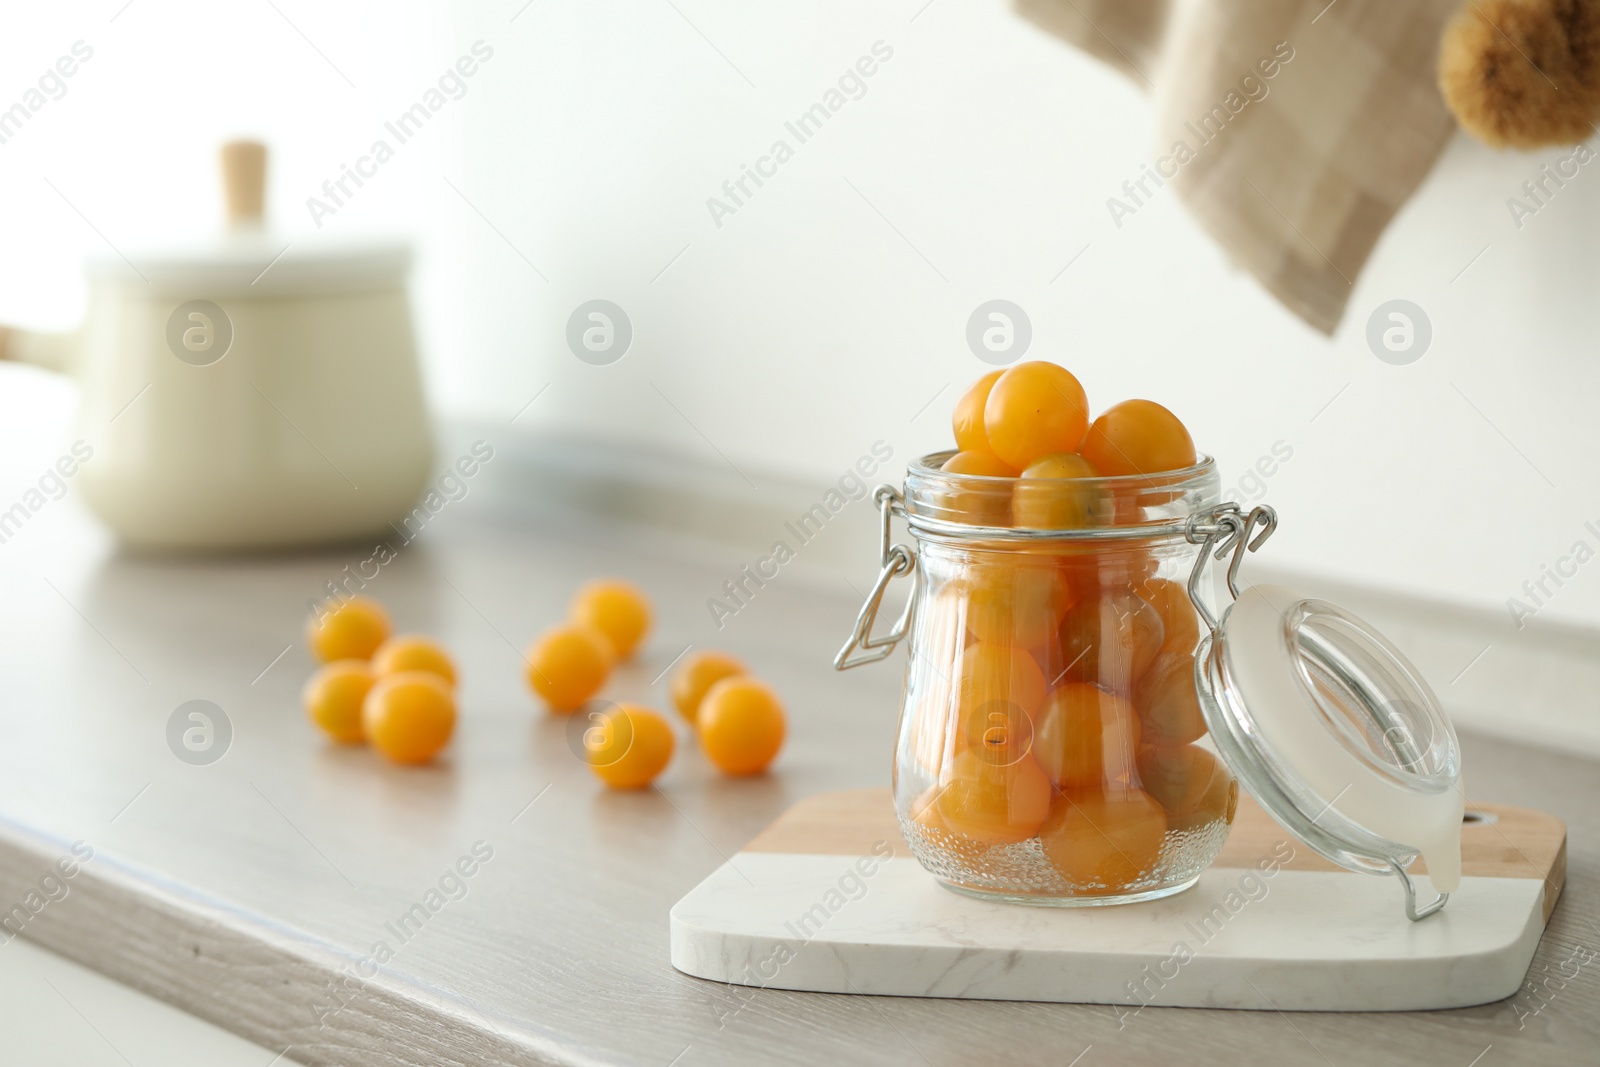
{"points": [[251, 890]]}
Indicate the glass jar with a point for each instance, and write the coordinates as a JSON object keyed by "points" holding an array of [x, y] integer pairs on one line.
{"points": [[1052, 749], [1067, 681]]}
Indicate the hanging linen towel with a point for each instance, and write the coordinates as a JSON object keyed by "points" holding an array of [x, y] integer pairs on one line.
{"points": [[1294, 131]]}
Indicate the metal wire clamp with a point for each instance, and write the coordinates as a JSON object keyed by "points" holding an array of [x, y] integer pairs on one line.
{"points": [[894, 560]]}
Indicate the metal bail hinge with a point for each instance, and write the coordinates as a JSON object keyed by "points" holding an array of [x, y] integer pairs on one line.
{"points": [[894, 560], [1222, 530]]}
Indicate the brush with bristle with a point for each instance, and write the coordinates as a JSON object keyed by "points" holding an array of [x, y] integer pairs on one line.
{"points": [[1524, 73]]}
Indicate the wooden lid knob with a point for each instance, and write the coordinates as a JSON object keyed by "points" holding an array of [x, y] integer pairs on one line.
{"points": [[244, 181]]}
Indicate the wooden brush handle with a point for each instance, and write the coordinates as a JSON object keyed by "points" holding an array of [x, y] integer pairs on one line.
{"points": [[244, 180]]}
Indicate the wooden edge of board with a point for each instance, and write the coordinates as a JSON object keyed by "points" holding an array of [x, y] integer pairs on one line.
{"points": [[1503, 842], [267, 984]]}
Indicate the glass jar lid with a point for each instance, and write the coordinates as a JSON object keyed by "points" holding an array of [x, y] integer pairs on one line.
{"points": [[1326, 722]]}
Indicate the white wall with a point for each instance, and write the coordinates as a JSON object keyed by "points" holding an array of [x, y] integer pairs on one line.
{"points": [[130, 149], [806, 326]]}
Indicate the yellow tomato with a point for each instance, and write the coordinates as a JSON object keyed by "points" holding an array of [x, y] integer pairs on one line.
{"points": [[1193, 786], [998, 693], [629, 746], [1169, 709], [968, 418], [1087, 738], [1125, 567], [929, 736], [993, 804], [946, 838], [409, 716], [741, 726], [1104, 842], [695, 677], [1051, 495], [1110, 639], [1005, 604], [978, 503], [413, 653], [618, 609], [568, 665], [1035, 409], [1180, 624], [1138, 437], [353, 630], [984, 464], [333, 699]]}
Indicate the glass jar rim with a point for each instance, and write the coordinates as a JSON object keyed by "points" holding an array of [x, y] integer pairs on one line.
{"points": [[931, 466], [964, 507]]}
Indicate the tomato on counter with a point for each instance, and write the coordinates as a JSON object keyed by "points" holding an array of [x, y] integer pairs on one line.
{"points": [[412, 652], [333, 699], [742, 725], [409, 716], [629, 747], [568, 665], [695, 677], [615, 608], [353, 630]]}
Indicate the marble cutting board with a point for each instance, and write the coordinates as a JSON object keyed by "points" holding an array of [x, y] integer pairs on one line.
{"points": [[830, 899]]}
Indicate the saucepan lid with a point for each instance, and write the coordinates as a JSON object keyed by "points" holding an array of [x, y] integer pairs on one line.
{"points": [[248, 259], [259, 265]]}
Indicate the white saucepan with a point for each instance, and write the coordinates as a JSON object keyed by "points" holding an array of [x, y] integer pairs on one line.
{"points": [[255, 393]]}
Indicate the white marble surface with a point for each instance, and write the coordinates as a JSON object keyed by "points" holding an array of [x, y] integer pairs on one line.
{"points": [[1297, 940]]}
